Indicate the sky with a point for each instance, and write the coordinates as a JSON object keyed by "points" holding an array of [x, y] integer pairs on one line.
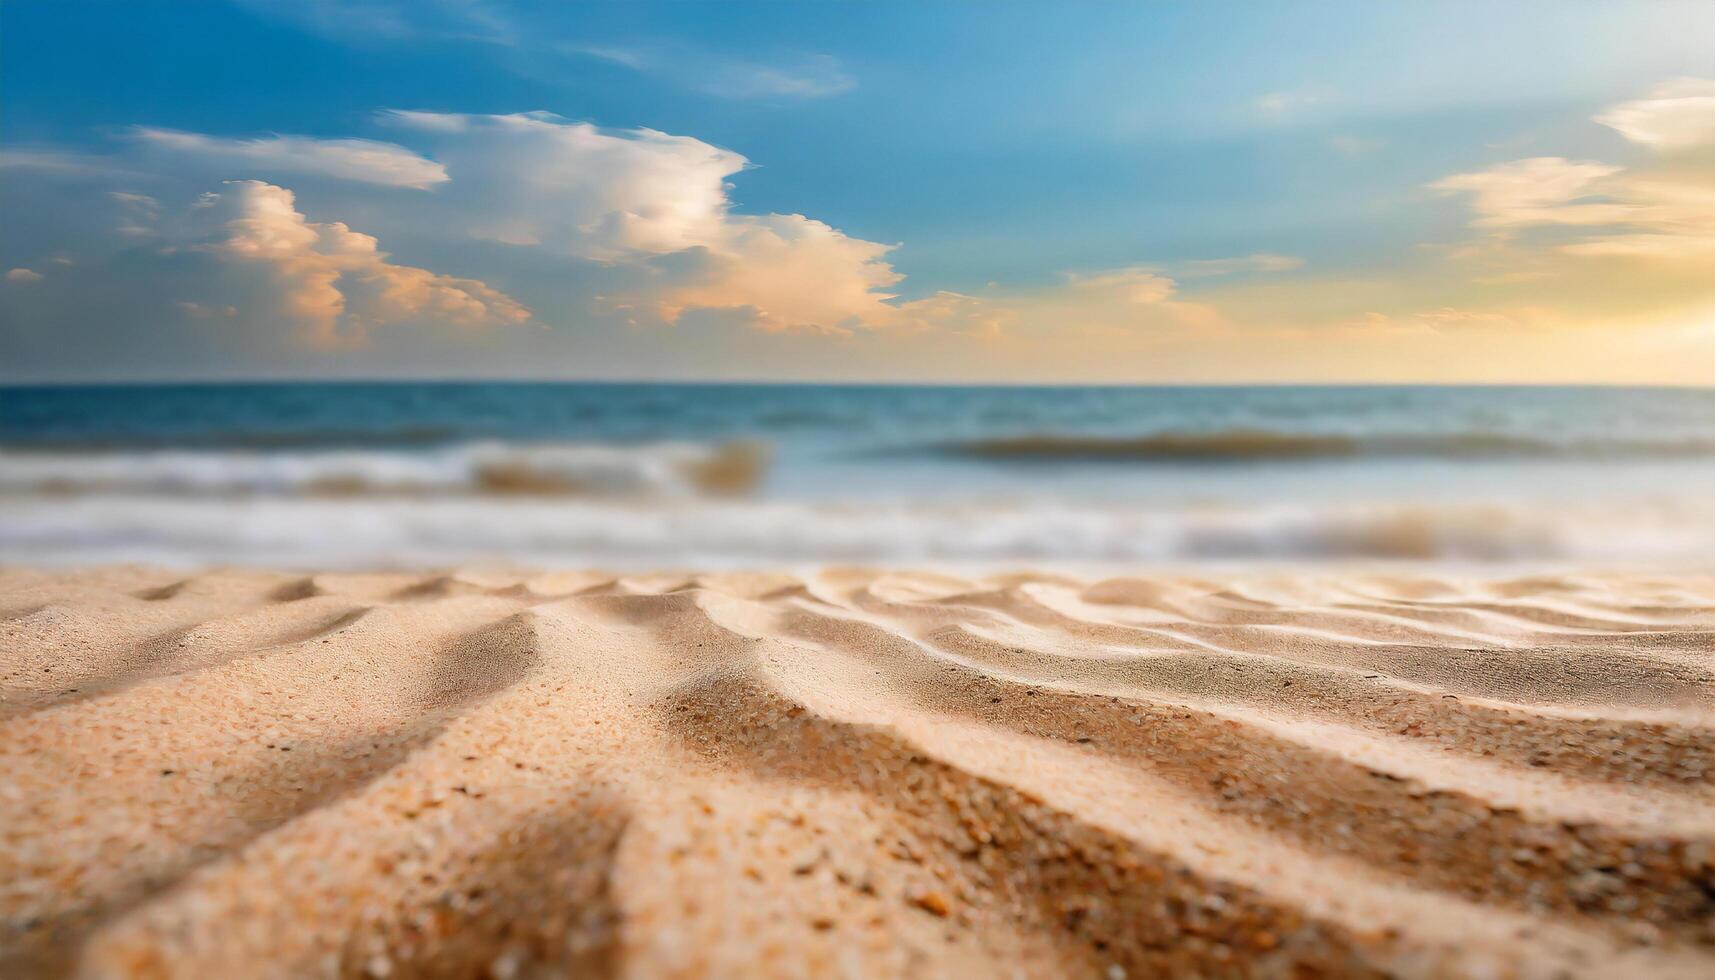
{"points": [[1096, 192]]}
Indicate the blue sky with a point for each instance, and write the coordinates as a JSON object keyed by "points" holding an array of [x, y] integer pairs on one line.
{"points": [[976, 192]]}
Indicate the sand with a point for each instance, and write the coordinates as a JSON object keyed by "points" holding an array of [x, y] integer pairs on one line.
{"points": [[856, 774]]}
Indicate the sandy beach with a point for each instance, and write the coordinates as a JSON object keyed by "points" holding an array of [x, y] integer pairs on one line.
{"points": [[682, 491], [856, 773]]}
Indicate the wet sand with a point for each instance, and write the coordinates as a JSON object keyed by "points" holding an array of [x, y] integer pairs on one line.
{"points": [[856, 773]]}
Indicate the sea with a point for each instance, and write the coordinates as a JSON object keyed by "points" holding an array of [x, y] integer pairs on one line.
{"points": [[788, 476]]}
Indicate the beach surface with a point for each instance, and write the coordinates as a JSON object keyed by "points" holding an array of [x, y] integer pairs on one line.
{"points": [[856, 773]]}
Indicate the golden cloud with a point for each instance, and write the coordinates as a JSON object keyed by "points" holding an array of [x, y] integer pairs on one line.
{"points": [[337, 282]]}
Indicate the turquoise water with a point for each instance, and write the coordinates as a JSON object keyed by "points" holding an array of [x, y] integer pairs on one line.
{"points": [[748, 474]]}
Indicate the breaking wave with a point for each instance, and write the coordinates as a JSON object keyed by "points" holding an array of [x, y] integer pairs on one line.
{"points": [[544, 470], [1262, 445], [704, 532]]}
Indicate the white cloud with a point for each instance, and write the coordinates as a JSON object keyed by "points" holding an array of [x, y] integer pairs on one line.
{"points": [[653, 210], [655, 203], [1138, 285], [23, 275], [202, 311], [613, 54], [143, 204], [1537, 191], [366, 161], [367, 21], [800, 77], [815, 77], [1675, 115], [537, 179], [139, 212], [524, 38], [60, 163], [646, 218], [1255, 262], [1289, 102], [337, 284]]}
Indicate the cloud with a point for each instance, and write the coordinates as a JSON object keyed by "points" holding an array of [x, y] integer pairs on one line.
{"points": [[1255, 262], [1149, 284], [653, 210], [1675, 115], [336, 284], [537, 179], [1653, 211], [656, 204], [139, 212], [367, 21], [142, 203], [641, 220], [1537, 191], [801, 77], [1291, 102], [1676, 248], [531, 45], [633, 248], [1448, 318], [613, 54], [1137, 285], [202, 311], [813, 77], [23, 275], [1589, 243], [1112, 308], [1670, 216], [788, 272], [60, 162], [1649, 213], [365, 161], [959, 314], [644, 217]]}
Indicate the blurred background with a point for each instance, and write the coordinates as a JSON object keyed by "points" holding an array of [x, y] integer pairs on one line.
{"points": [[733, 476]]}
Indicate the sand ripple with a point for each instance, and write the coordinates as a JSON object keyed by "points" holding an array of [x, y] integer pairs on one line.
{"points": [[855, 773]]}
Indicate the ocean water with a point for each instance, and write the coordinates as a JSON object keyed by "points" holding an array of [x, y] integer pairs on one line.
{"points": [[722, 476]]}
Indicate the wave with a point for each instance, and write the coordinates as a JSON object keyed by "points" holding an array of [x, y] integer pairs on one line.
{"points": [[333, 437], [699, 531], [552, 470], [1264, 445]]}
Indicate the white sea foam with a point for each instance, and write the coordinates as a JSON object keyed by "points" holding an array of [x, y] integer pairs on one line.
{"points": [[579, 531], [665, 469]]}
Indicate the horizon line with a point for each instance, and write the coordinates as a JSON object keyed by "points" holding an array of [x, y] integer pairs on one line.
{"points": [[9, 385]]}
